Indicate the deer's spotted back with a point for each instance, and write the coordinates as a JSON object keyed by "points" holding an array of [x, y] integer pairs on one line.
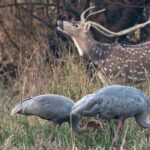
{"points": [[123, 61]]}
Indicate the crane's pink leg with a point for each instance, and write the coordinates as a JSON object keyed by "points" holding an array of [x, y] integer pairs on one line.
{"points": [[119, 126], [124, 132]]}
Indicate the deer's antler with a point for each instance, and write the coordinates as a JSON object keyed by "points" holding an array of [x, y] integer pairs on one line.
{"points": [[83, 19], [104, 30], [96, 12], [83, 14], [109, 33]]}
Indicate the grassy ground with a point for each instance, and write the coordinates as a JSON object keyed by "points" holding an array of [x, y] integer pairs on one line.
{"points": [[24, 133]]}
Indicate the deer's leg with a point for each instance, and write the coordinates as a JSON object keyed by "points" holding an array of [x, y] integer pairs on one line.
{"points": [[119, 126]]}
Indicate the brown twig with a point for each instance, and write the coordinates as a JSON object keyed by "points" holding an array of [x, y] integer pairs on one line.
{"points": [[23, 4], [9, 36]]}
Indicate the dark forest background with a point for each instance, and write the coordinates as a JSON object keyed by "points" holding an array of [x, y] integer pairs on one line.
{"points": [[24, 23]]}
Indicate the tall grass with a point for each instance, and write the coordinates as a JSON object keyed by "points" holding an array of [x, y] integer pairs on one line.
{"points": [[67, 77]]}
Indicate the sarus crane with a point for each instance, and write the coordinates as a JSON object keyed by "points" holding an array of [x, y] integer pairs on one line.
{"points": [[55, 108], [114, 101]]}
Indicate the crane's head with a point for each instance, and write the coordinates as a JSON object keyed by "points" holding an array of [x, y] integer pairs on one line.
{"points": [[92, 123]]}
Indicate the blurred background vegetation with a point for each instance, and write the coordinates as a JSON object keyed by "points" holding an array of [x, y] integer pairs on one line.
{"points": [[35, 59]]}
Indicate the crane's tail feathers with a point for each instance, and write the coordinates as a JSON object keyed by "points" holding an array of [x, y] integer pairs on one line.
{"points": [[17, 109], [141, 120], [21, 106]]}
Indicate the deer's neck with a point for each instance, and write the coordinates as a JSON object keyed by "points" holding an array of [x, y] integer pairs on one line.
{"points": [[85, 44], [88, 48]]}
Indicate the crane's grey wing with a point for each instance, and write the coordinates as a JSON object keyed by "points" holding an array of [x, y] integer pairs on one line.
{"points": [[88, 105], [51, 106], [54, 109], [45, 106], [117, 106]]}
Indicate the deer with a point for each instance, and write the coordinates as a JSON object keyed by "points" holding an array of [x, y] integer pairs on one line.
{"points": [[117, 62]]}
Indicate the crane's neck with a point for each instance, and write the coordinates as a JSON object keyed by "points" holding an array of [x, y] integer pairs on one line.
{"points": [[141, 120], [74, 119], [144, 123]]}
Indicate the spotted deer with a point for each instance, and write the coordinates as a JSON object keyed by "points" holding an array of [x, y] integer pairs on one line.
{"points": [[116, 61]]}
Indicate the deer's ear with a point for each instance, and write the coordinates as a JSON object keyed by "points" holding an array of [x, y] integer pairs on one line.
{"points": [[87, 27]]}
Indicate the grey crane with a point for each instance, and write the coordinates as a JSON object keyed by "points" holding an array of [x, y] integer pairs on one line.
{"points": [[55, 108], [115, 101]]}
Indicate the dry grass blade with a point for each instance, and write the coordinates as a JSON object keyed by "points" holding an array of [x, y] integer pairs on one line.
{"points": [[7, 144]]}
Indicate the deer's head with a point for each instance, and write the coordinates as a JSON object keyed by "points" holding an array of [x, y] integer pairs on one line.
{"points": [[73, 28], [79, 32], [76, 28]]}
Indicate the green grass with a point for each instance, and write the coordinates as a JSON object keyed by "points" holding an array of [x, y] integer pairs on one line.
{"points": [[44, 134]]}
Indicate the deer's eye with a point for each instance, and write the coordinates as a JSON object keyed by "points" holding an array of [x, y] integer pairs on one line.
{"points": [[75, 24]]}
